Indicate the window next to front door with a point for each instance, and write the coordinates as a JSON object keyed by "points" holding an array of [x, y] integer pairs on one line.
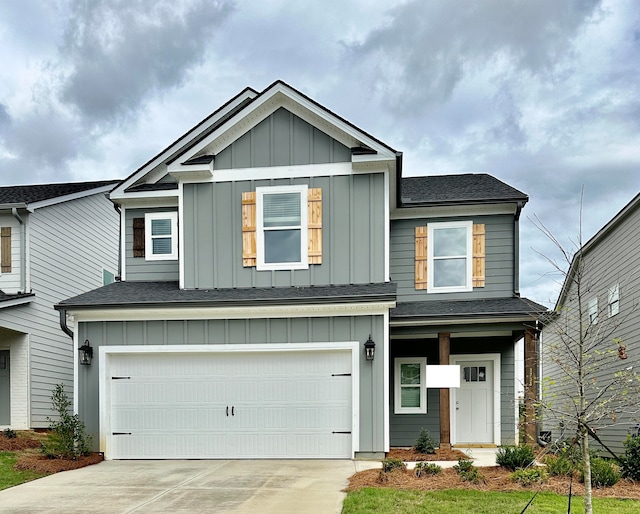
{"points": [[410, 385]]}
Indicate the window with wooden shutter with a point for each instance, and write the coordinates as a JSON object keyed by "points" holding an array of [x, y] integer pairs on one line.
{"points": [[138, 237], [249, 254], [5, 250], [446, 264], [421, 257], [314, 205]]}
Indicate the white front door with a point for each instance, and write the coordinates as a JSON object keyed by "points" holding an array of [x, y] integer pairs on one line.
{"points": [[474, 413], [230, 405]]}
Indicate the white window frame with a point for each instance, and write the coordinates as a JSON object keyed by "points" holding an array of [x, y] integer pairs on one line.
{"points": [[261, 265], [397, 386], [468, 286], [613, 306], [592, 308], [148, 243]]}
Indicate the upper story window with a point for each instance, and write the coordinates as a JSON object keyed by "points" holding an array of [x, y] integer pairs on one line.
{"points": [[592, 307], [450, 254], [614, 300], [282, 227], [161, 236]]}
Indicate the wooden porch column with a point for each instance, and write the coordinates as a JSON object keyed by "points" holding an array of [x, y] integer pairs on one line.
{"points": [[444, 343], [530, 386]]}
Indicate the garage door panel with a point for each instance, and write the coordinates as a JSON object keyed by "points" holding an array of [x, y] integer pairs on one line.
{"points": [[224, 405]]}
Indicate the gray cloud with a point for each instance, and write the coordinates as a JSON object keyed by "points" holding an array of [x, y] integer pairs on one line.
{"points": [[120, 52], [5, 118]]}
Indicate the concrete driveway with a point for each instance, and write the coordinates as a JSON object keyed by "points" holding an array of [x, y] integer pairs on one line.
{"points": [[191, 486]]}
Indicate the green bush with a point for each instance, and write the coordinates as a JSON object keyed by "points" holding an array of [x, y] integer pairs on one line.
{"points": [[529, 476], [559, 465], [514, 457], [424, 443], [603, 473], [68, 439], [467, 471], [9, 433], [389, 465], [424, 469], [631, 459]]}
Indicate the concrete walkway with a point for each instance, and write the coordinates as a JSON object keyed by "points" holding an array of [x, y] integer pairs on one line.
{"points": [[198, 486]]}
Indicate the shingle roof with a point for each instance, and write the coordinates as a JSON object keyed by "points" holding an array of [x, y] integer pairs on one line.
{"points": [[159, 294], [39, 192], [454, 189], [4, 297], [464, 308]]}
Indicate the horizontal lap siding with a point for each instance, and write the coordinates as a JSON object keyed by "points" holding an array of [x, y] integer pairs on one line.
{"points": [[70, 245], [352, 232], [138, 268], [614, 260], [499, 259], [246, 331]]}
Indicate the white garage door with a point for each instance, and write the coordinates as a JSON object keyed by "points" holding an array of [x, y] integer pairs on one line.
{"points": [[230, 405]]}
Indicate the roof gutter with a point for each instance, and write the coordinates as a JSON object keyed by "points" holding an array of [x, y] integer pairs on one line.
{"points": [[23, 251]]}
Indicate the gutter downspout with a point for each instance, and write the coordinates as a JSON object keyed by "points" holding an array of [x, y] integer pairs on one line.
{"points": [[63, 323], [23, 251], [516, 250], [119, 211]]}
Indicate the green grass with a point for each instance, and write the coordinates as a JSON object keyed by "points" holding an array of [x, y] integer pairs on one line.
{"points": [[383, 501], [9, 476]]}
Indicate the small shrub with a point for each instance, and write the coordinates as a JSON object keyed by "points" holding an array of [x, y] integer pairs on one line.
{"points": [[631, 459], [424, 469], [389, 465], [529, 476], [9, 434], [68, 439], [467, 471], [603, 473], [424, 443], [559, 465], [514, 457]]}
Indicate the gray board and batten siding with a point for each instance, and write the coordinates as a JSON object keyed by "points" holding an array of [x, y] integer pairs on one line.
{"points": [[243, 331], [613, 260], [140, 269], [405, 428], [282, 139], [499, 250], [353, 220]]}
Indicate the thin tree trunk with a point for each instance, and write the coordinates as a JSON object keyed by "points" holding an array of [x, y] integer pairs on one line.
{"points": [[586, 460]]}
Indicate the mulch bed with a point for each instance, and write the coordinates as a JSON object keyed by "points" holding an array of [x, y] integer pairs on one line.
{"points": [[27, 444], [410, 455]]}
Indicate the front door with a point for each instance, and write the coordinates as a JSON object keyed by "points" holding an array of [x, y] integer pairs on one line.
{"points": [[473, 403], [5, 389]]}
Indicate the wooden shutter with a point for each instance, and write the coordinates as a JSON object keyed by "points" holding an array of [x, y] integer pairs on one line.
{"points": [[249, 253], [478, 255], [314, 205], [138, 237], [421, 257], [5, 250]]}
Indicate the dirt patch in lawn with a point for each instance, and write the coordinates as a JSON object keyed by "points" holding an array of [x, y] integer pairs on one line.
{"points": [[26, 446], [493, 479], [411, 455]]}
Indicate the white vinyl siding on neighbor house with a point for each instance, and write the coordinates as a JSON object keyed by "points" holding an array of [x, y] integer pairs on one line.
{"points": [[592, 307], [161, 236], [281, 226], [450, 254], [410, 387], [614, 300]]}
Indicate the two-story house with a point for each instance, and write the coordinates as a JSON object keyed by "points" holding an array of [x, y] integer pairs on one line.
{"points": [[285, 293], [598, 305], [56, 240]]}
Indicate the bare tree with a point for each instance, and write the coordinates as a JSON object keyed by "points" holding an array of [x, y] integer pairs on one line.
{"points": [[589, 384]]}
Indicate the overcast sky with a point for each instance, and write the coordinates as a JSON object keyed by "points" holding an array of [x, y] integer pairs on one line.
{"points": [[544, 95]]}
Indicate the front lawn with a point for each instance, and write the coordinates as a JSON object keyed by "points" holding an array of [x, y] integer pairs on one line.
{"points": [[455, 501], [9, 476]]}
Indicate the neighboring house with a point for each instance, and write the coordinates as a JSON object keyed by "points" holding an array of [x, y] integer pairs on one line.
{"points": [[56, 240], [284, 289], [609, 293]]}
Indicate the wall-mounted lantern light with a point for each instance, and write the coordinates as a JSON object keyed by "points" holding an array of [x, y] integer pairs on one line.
{"points": [[369, 348], [86, 353]]}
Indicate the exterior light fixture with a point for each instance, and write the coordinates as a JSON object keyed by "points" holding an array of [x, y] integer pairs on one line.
{"points": [[86, 353], [369, 348]]}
